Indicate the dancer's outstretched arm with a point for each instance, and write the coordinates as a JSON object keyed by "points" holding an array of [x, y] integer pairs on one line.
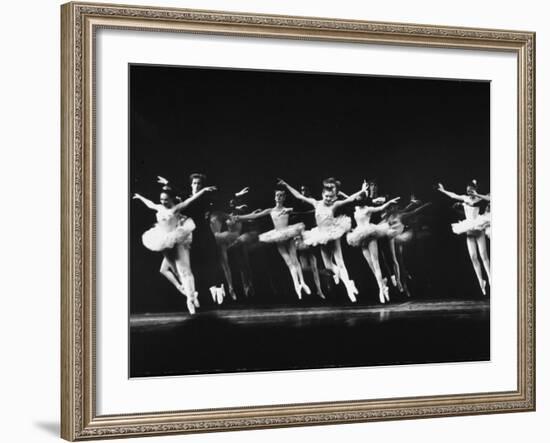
{"points": [[407, 215], [168, 185], [147, 202], [351, 198], [242, 192], [188, 201], [258, 213], [385, 205], [450, 194], [297, 193], [487, 197]]}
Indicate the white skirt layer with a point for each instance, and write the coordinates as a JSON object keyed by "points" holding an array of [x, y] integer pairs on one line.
{"points": [[321, 235], [367, 231], [282, 235], [159, 238], [473, 226]]}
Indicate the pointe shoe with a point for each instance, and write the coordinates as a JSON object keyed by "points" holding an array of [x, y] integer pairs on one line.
{"points": [[393, 280], [381, 296], [190, 306], [336, 276], [386, 293], [350, 288], [213, 293], [483, 286], [353, 287], [220, 294], [196, 300], [306, 289], [321, 295], [298, 290], [232, 294]]}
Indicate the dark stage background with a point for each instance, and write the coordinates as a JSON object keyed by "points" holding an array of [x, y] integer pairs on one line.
{"points": [[246, 128]]}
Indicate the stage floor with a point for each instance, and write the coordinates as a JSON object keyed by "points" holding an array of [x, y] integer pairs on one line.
{"points": [[231, 338]]}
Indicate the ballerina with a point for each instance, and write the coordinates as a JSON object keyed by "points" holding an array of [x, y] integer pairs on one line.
{"points": [[330, 229], [204, 255], [487, 213], [306, 253], [366, 235], [474, 227], [172, 235], [283, 235], [402, 223], [225, 238]]}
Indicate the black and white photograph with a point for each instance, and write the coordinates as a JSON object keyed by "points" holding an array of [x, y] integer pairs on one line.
{"points": [[305, 220]]}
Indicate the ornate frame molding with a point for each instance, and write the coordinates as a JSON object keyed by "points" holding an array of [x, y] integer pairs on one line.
{"points": [[79, 23]]}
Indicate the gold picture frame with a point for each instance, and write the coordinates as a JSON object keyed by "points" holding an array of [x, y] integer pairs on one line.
{"points": [[80, 21]]}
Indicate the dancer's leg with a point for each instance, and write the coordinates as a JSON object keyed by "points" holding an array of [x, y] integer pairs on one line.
{"points": [[396, 267], [291, 267], [368, 258], [327, 256], [403, 274], [373, 248], [291, 247], [246, 271], [169, 270], [482, 247], [348, 282], [472, 250], [224, 261], [183, 265], [315, 271]]}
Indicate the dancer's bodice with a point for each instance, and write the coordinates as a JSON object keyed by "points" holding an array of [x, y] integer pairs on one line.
{"points": [[471, 211], [362, 215], [167, 218], [324, 215], [279, 218]]}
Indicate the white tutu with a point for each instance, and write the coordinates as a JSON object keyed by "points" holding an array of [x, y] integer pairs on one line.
{"points": [[327, 232], [162, 236], [282, 235], [472, 226], [367, 231]]}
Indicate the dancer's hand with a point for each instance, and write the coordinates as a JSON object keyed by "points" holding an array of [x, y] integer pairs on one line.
{"points": [[281, 182], [162, 180], [209, 189], [136, 196], [256, 211], [394, 200], [365, 187], [287, 210], [242, 192], [440, 187], [241, 207]]}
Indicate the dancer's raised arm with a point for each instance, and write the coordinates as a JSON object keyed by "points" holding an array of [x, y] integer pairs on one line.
{"points": [[242, 192], [450, 194], [188, 201], [385, 205], [147, 202], [297, 193], [487, 197], [258, 213], [351, 197], [166, 184], [410, 214]]}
